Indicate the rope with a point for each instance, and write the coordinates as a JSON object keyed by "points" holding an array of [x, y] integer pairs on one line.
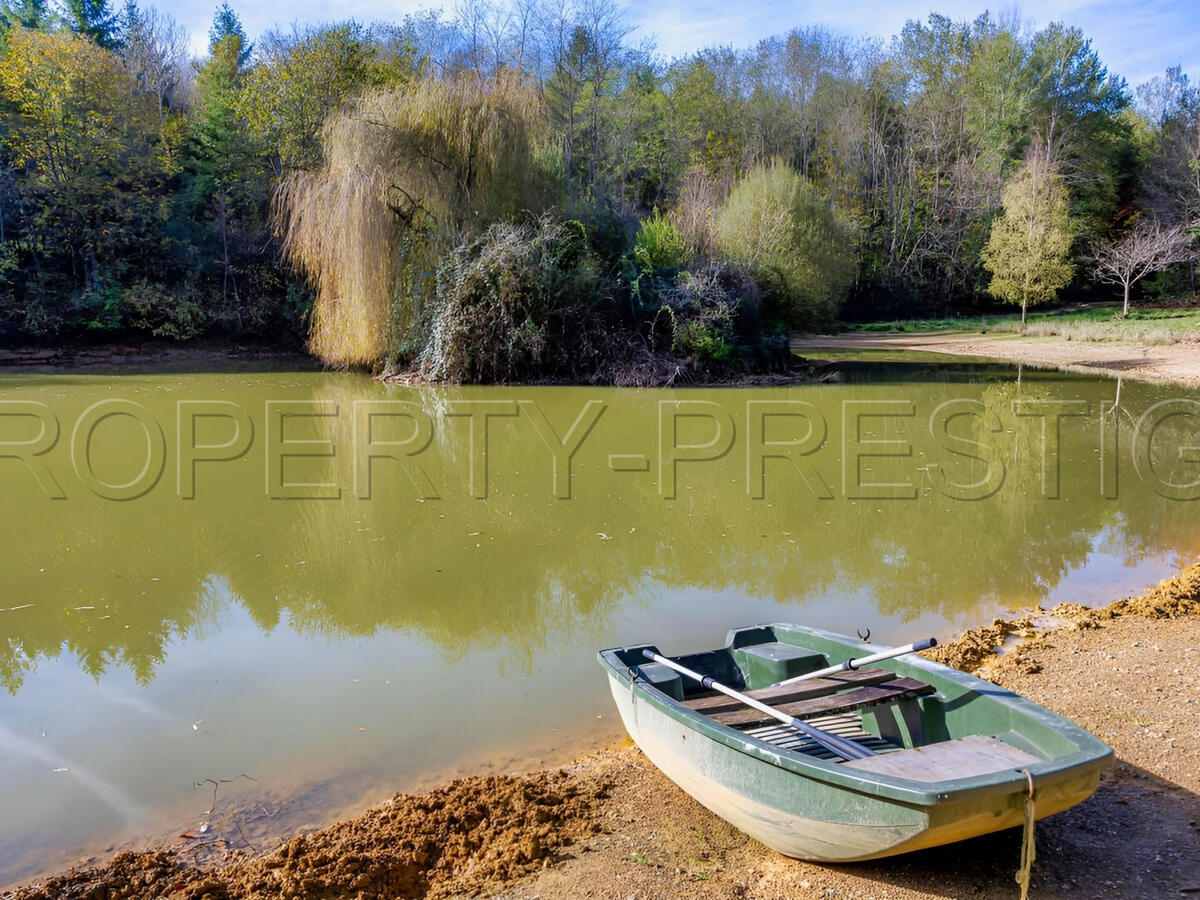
{"points": [[1028, 851]]}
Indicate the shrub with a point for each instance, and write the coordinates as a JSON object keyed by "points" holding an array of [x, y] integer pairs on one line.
{"points": [[96, 308], [170, 314], [519, 302], [783, 231], [713, 315], [701, 340], [658, 245], [699, 195]]}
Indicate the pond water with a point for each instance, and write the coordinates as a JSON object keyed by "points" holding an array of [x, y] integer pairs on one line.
{"points": [[313, 589]]}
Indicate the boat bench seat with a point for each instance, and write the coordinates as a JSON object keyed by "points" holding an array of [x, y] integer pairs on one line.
{"points": [[891, 690], [772, 661], [710, 704], [666, 680]]}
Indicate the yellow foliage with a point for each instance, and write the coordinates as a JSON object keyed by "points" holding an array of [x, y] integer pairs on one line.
{"points": [[1028, 250], [73, 101], [438, 159]]}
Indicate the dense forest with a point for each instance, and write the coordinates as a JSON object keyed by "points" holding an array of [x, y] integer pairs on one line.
{"points": [[523, 189]]}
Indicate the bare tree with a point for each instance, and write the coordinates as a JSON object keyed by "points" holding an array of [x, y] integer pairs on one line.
{"points": [[1149, 247], [156, 54]]}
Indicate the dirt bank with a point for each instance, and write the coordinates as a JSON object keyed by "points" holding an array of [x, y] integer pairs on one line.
{"points": [[1165, 363], [612, 826], [146, 355]]}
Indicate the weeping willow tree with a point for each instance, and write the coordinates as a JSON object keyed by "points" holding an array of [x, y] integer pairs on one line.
{"points": [[408, 173]]}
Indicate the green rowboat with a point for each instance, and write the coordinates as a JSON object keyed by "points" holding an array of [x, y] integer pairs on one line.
{"points": [[952, 756]]}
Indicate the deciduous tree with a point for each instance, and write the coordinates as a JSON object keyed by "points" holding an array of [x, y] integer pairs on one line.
{"points": [[1148, 247], [300, 77], [427, 165], [87, 143], [1029, 249]]}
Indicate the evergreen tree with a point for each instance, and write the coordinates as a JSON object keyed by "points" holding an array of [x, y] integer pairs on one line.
{"points": [[94, 20], [226, 24], [131, 21], [219, 156], [32, 14]]}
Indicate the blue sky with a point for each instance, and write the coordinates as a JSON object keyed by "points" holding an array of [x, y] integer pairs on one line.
{"points": [[1137, 40]]}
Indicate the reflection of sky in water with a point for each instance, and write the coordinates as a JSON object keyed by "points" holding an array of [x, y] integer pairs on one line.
{"points": [[378, 643], [1110, 572]]}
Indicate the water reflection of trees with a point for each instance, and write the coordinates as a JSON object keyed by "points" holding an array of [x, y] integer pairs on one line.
{"points": [[523, 567]]}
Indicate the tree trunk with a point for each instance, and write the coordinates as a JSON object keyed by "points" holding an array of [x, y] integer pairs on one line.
{"points": [[1024, 305], [225, 253], [1125, 307]]}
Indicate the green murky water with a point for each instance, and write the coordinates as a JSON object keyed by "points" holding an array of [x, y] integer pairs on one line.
{"points": [[338, 589]]}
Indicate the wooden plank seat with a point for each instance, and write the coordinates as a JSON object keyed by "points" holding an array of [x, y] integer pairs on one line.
{"points": [[714, 703], [891, 691]]}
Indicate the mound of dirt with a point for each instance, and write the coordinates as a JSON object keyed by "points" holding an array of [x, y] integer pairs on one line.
{"points": [[458, 839], [154, 873], [969, 651]]}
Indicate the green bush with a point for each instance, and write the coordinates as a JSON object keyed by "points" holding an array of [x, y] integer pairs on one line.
{"points": [[659, 245], [713, 315], [170, 314], [96, 308], [780, 228], [705, 341]]}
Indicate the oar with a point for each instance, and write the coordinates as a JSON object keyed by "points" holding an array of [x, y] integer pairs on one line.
{"points": [[843, 747], [852, 664]]}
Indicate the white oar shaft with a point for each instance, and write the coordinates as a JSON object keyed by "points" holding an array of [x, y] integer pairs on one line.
{"points": [[851, 664], [841, 746]]}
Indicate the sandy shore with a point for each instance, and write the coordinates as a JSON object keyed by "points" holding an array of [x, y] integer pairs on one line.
{"points": [[611, 826], [1165, 363]]}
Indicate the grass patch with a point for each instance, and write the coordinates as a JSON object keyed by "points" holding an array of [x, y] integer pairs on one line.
{"points": [[1090, 323]]}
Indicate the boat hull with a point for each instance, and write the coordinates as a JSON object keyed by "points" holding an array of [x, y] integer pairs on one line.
{"points": [[809, 819]]}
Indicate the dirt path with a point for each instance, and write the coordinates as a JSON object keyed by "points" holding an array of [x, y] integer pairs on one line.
{"points": [[1167, 363], [611, 826]]}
